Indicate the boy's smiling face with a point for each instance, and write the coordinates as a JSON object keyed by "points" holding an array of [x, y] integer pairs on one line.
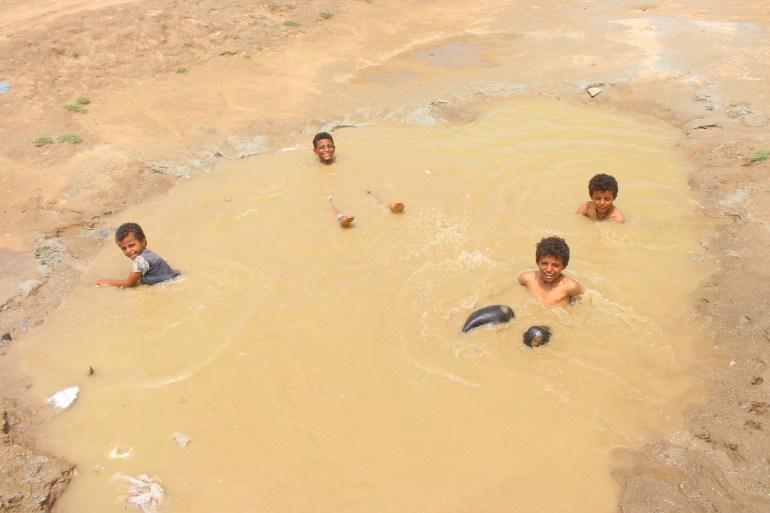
{"points": [[131, 246], [324, 148], [550, 268], [603, 201]]}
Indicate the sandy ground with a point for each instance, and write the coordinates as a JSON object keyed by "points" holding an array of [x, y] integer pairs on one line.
{"points": [[176, 86]]}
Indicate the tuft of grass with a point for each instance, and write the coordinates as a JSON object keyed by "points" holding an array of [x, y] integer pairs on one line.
{"points": [[70, 138], [181, 69], [757, 157], [291, 23], [40, 141], [290, 6], [75, 55], [82, 100], [326, 15], [74, 108], [258, 48]]}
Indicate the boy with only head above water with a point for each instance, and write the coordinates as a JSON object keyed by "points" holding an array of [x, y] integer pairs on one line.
{"points": [[148, 267], [603, 190], [323, 146], [548, 284]]}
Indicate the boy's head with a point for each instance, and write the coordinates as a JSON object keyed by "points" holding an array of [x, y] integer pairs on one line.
{"points": [[551, 257], [323, 146], [130, 239], [603, 183]]}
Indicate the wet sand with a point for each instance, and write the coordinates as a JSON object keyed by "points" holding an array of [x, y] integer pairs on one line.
{"points": [[173, 89]]}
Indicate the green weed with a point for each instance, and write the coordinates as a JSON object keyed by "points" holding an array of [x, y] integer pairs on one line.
{"points": [[326, 15], [74, 108], [70, 138], [181, 70], [82, 100], [757, 157], [75, 55], [40, 141], [291, 23]]}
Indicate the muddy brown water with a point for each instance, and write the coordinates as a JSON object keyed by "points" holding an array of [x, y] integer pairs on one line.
{"points": [[323, 369]]}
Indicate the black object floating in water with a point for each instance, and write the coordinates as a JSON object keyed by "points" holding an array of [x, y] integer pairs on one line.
{"points": [[537, 336], [489, 314]]}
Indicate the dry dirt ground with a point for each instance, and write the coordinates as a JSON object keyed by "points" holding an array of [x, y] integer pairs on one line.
{"points": [[174, 86]]}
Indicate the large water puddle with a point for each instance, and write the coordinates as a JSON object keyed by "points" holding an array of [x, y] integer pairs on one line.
{"points": [[323, 369]]}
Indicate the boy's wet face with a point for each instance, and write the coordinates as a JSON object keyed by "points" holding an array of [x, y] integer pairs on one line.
{"points": [[550, 268], [324, 148], [131, 246], [603, 201]]}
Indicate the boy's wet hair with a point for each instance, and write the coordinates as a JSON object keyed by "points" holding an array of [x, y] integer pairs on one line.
{"points": [[554, 247], [602, 182], [126, 228], [322, 135]]}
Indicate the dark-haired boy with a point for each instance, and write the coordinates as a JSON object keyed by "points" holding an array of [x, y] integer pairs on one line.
{"points": [[148, 267], [548, 284], [323, 146], [603, 190]]}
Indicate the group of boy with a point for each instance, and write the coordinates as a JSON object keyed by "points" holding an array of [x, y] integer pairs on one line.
{"points": [[547, 283]]}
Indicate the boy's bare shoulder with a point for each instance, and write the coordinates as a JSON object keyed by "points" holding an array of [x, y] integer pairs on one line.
{"points": [[572, 286]]}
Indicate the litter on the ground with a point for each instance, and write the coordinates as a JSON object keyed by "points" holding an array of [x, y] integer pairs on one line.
{"points": [[4, 87], [144, 492], [181, 439], [63, 399]]}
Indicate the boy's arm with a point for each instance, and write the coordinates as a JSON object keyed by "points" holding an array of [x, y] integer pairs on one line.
{"points": [[131, 281], [583, 208], [525, 277], [574, 288]]}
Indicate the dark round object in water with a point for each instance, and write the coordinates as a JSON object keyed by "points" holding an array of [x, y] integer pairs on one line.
{"points": [[537, 336], [489, 314]]}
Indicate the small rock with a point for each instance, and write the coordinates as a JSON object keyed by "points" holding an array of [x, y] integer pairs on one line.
{"points": [[593, 91], [6, 336]]}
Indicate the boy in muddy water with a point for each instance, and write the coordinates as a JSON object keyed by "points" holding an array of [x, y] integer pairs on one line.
{"points": [[603, 190], [548, 284], [323, 147], [148, 267]]}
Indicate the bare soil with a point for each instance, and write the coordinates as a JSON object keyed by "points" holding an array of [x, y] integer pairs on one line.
{"points": [[173, 87]]}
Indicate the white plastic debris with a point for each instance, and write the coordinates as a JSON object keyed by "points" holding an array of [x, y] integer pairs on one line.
{"points": [[63, 399], [120, 452], [181, 439], [144, 492]]}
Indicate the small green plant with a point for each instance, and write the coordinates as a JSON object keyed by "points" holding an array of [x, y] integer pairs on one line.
{"points": [[181, 69], [74, 108], [82, 100], [326, 15], [75, 54], [291, 23], [290, 6], [70, 138], [40, 141], [757, 157], [258, 48]]}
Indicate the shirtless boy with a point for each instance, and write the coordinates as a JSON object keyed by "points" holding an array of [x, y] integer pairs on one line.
{"points": [[603, 190], [548, 284], [147, 268]]}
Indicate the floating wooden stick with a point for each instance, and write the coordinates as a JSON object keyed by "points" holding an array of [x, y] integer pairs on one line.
{"points": [[343, 219], [396, 208]]}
